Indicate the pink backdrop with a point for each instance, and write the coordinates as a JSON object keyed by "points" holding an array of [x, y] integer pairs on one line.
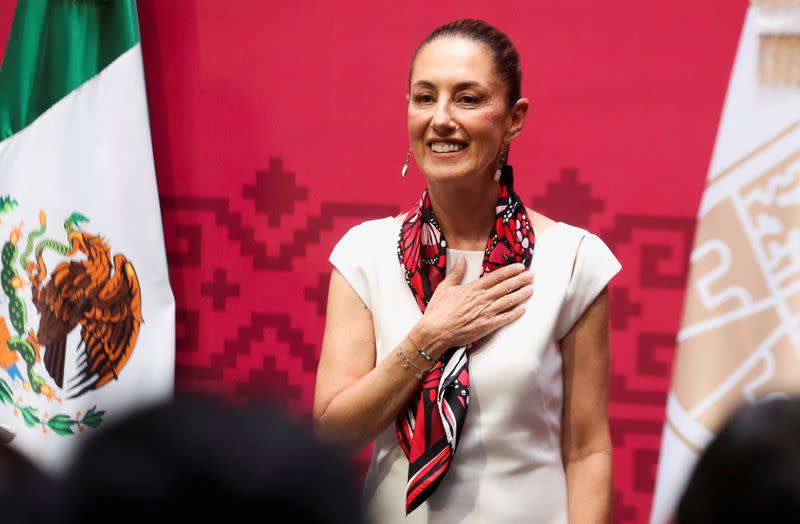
{"points": [[277, 126]]}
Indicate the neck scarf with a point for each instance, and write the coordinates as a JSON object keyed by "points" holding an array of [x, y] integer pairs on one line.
{"points": [[430, 425]]}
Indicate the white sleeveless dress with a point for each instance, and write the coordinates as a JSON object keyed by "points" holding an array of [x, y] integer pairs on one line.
{"points": [[508, 467]]}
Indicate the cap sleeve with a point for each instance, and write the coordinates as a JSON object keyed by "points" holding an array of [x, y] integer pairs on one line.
{"points": [[594, 267], [351, 257]]}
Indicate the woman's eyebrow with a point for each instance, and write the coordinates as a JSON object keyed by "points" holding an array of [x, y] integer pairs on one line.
{"points": [[424, 83], [467, 85], [458, 87]]}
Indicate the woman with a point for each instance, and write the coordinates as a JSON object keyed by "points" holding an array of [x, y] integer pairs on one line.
{"points": [[486, 397]]}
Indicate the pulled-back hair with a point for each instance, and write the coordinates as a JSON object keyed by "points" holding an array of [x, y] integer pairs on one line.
{"points": [[506, 57]]}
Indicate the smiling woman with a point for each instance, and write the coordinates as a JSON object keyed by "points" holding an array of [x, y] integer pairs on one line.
{"points": [[485, 395]]}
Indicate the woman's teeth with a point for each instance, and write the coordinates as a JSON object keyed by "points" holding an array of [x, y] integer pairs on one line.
{"points": [[446, 147]]}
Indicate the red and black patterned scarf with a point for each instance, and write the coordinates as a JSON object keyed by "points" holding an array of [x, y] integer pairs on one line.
{"points": [[429, 427]]}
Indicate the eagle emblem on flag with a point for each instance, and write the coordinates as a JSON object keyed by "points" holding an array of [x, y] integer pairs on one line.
{"points": [[75, 285]]}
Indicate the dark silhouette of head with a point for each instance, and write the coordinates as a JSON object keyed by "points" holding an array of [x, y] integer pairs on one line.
{"points": [[16, 470], [198, 459], [751, 471]]}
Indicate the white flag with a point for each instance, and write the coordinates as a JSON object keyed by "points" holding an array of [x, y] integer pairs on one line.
{"points": [[740, 336], [86, 311]]}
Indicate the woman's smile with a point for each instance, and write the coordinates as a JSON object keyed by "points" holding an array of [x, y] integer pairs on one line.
{"points": [[447, 148]]}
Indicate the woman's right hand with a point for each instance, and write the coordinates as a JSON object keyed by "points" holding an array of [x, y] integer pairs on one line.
{"points": [[458, 314]]}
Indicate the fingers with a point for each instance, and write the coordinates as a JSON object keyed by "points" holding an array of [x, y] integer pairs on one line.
{"points": [[473, 310], [456, 274], [499, 275], [509, 301], [509, 285], [506, 317]]}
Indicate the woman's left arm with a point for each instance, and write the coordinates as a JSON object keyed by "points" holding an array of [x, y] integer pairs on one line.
{"points": [[586, 440]]}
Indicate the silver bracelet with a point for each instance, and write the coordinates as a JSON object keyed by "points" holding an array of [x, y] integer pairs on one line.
{"points": [[420, 350], [425, 356], [420, 372]]}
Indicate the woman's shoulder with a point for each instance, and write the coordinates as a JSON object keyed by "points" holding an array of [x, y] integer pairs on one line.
{"points": [[399, 219], [371, 237], [542, 224], [566, 242], [547, 227], [539, 222], [371, 228]]}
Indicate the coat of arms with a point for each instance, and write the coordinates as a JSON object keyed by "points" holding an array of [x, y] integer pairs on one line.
{"points": [[88, 291]]}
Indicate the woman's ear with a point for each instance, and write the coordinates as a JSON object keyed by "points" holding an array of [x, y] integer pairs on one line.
{"points": [[518, 114]]}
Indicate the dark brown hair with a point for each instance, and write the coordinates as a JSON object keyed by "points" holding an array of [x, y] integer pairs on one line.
{"points": [[506, 57]]}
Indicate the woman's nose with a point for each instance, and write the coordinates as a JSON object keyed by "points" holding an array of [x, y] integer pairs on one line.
{"points": [[442, 120]]}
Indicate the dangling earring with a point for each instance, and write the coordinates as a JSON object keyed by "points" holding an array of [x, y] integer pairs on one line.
{"points": [[405, 166], [503, 158]]}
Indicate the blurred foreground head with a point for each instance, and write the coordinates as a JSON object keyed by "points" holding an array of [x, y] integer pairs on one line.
{"points": [[16, 470], [200, 458], [7, 433], [751, 471]]}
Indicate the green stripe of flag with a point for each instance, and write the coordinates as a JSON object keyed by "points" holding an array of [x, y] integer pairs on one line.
{"points": [[54, 47]]}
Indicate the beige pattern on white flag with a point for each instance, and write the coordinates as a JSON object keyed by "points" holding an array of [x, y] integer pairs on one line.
{"points": [[740, 336]]}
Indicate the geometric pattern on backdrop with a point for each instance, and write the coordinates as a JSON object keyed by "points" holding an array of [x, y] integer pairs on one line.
{"points": [[229, 95], [272, 351], [676, 83]]}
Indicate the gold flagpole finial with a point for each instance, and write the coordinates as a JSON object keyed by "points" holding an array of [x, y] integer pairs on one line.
{"points": [[778, 42]]}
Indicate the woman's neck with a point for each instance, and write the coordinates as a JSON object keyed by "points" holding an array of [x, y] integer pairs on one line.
{"points": [[465, 211]]}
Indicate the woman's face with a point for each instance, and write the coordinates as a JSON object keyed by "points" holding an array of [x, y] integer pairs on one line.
{"points": [[457, 114]]}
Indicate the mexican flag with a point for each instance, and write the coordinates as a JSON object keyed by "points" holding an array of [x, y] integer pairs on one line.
{"points": [[86, 312], [740, 337]]}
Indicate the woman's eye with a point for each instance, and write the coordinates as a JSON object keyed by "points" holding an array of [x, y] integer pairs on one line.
{"points": [[423, 98], [468, 99]]}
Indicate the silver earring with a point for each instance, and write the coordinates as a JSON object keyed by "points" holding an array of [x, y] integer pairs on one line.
{"points": [[503, 158], [405, 166]]}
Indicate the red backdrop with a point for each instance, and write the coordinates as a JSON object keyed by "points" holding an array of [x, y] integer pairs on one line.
{"points": [[278, 125]]}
